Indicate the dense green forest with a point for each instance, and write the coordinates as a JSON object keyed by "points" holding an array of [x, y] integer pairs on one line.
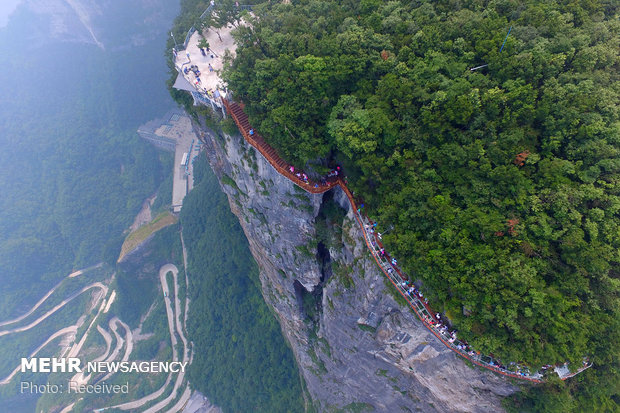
{"points": [[241, 361], [496, 187], [74, 171], [137, 279]]}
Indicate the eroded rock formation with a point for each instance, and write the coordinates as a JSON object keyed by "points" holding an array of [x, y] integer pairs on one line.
{"points": [[355, 345]]}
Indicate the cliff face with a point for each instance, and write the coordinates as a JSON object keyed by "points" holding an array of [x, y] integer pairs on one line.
{"points": [[355, 346], [97, 22]]}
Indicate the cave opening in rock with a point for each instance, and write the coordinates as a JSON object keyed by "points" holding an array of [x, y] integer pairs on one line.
{"points": [[328, 226], [309, 302]]}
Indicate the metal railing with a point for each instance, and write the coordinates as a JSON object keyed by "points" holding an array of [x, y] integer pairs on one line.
{"points": [[394, 275], [424, 313], [190, 32], [207, 11]]}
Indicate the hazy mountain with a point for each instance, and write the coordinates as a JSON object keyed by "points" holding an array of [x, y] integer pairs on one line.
{"points": [[73, 172]]}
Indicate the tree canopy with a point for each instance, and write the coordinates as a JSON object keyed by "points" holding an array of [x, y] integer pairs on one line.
{"points": [[496, 187]]}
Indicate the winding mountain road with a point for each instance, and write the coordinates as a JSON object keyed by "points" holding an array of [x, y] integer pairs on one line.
{"points": [[177, 304], [174, 327], [56, 308], [63, 331], [50, 292], [67, 330]]}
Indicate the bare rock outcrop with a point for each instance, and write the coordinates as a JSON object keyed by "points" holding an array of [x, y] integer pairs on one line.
{"points": [[355, 345]]}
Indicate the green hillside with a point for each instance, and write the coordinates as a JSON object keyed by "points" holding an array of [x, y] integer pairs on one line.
{"points": [[241, 360], [496, 187]]}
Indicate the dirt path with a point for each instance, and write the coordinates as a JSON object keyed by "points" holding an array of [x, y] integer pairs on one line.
{"points": [[69, 408], [81, 377], [77, 347], [110, 301]]}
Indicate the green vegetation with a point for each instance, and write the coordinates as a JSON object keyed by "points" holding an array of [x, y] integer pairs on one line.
{"points": [[164, 192], [241, 360], [66, 222], [138, 236], [74, 170], [21, 344], [138, 279], [499, 186], [328, 224], [342, 273], [367, 328], [227, 180], [138, 294], [320, 366], [356, 407]]}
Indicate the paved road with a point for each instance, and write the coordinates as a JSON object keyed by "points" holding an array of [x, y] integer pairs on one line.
{"points": [[71, 329], [67, 330], [167, 297], [186, 279], [120, 341], [50, 292], [177, 304], [183, 400], [174, 327], [56, 308], [129, 339], [119, 345]]}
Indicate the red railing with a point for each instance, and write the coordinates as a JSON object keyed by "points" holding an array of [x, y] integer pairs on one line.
{"points": [[257, 141]]}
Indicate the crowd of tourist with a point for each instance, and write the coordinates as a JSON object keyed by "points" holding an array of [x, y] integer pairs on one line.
{"points": [[435, 321], [432, 320], [321, 182]]}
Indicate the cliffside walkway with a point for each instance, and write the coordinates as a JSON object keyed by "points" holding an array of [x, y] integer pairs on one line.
{"points": [[400, 280], [283, 168]]}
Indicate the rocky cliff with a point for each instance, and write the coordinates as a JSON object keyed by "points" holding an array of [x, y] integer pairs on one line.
{"points": [[355, 345], [105, 24]]}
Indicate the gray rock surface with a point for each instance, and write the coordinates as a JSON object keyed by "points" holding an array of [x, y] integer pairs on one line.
{"points": [[88, 21], [198, 403], [359, 348]]}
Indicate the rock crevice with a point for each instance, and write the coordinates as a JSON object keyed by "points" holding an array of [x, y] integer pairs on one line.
{"points": [[354, 344]]}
